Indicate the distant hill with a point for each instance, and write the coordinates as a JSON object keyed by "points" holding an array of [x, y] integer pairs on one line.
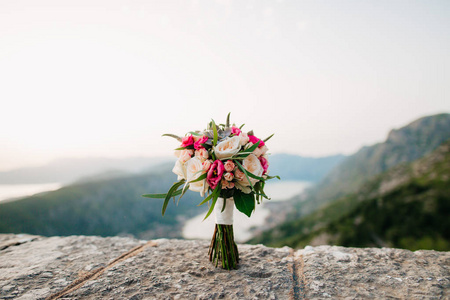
{"points": [[405, 207], [401, 146], [69, 170], [294, 167]]}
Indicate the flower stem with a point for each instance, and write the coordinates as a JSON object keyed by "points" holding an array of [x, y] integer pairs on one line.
{"points": [[223, 248]]}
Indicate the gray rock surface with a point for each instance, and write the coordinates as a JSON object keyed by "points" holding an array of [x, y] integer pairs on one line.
{"points": [[87, 267]]}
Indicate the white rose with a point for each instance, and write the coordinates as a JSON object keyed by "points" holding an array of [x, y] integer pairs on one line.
{"points": [[194, 169], [252, 164], [180, 170], [228, 147]]}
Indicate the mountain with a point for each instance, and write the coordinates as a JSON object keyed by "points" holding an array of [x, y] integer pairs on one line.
{"points": [[102, 207], [294, 167], [405, 207], [110, 203], [68, 170], [401, 146]]}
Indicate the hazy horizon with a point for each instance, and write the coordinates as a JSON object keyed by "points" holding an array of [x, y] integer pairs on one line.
{"points": [[107, 78]]}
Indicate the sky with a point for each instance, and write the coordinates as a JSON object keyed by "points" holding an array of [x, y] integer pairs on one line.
{"points": [[83, 78]]}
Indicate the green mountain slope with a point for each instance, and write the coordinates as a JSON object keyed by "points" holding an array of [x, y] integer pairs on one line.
{"points": [[406, 207], [103, 207]]}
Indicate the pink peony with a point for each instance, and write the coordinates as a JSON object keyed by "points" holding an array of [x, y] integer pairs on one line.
{"points": [[187, 141], [265, 163], [253, 139], [229, 166], [235, 130], [215, 174], [199, 142]]}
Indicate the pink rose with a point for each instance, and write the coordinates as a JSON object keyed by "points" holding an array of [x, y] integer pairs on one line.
{"points": [[227, 184], [257, 152], [265, 164], [215, 174], [239, 175], [187, 141], [224, 184], [228, 176], [264, 149], [244, 138], [199, 142], [253, 139], [235, 130], [202, 154], [229, 166], [185, 155], [206, 165]]}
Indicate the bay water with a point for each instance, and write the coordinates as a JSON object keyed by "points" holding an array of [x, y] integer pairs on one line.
{"points": [[13, 191], [196, 228]]}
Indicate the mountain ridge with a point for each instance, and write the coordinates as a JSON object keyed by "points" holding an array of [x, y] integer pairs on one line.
{"points": [[402, 145]]}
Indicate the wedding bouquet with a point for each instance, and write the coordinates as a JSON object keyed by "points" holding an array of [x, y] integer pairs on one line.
{"points": [[229, 168]]}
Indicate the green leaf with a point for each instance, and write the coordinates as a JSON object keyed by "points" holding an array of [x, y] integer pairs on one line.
{"points": [[224, 204], [268, 138], [200, 178], [170, 193], [161, 196], [228, 120], [271, 177], [206, 199], [183, 191], [249, 151], [245, 203], [216, 137], [215, 194], [173, 136]]}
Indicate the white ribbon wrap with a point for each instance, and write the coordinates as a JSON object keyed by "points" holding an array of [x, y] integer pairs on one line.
{"points": [[225, 217]]}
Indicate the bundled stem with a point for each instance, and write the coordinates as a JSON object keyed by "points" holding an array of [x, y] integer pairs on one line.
{"points": [[223, 248]]}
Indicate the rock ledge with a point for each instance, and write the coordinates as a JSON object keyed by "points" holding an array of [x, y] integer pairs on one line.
{"points": [[89, 267]]}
